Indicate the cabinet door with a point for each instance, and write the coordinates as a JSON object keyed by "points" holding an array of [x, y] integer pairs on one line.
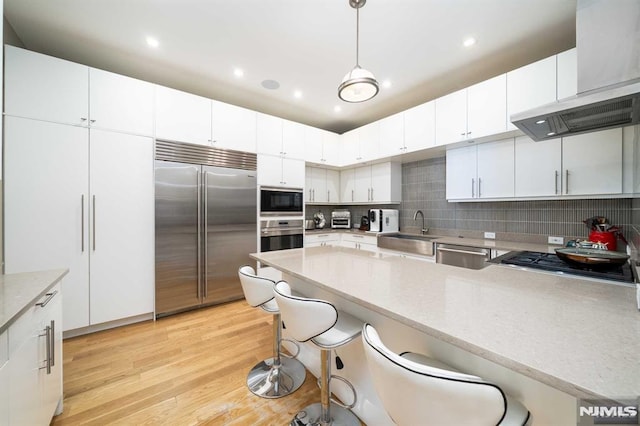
{"points": [[567, 63], [538, 166], [270, 170], [51, 382], [120, 103], [4, 378], [331, 148], [461, 173], [350, 148], [47, 206], [333, 186], [233, 127], [381, 183], [318, 180], [531, 86], [45, 88], [269, 134], [420, 127], [25, 394], [308, 184], [293, 139], [183, 117], [348, 185], [487, 107], [592, 163], [451, 117], [495, 169], [362, 188], [392, 135], [313, 142], [369, 141], [293, 173], [121, 230]]}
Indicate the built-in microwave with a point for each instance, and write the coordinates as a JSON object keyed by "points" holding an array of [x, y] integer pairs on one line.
{"points": [[281, 201]]}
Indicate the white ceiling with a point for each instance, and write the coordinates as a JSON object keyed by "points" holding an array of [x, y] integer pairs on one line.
{"points": [[304, 45]]}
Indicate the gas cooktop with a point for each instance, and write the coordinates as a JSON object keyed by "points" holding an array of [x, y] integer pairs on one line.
{"points": [[552, 263]]}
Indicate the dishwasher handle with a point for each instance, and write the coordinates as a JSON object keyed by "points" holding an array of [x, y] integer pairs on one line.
{"points": [[475, 253]]}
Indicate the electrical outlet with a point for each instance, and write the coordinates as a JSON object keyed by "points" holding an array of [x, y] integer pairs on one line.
{"points": [[556, 240], [490, 235]]}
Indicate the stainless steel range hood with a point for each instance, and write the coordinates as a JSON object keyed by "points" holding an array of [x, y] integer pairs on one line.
{"points": [[608, 51]]}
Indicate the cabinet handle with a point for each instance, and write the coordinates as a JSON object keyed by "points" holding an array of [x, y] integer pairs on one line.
{"points": [[371, 194], [473, 188], [205, 220], [92, 121], [47, 336], [479, 187], [556, 182], [199, 214], [462, 134], [314, 194], [83, 119], [94, 223], [468, 133], [82, 222], [52, 337], [328, 195], [48, 299], [566, 181], [352, 195], [310, 199]]}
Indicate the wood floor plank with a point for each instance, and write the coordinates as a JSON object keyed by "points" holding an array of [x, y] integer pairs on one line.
{"points": [[185, 369]]}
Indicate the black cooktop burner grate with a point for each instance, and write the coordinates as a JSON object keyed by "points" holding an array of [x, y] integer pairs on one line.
{"points": [[551, 262]]}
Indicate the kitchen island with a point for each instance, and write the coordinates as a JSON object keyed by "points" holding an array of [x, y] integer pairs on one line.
{"points": [[543, 338]]}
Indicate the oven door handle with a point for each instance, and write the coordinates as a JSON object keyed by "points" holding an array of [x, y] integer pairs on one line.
{"points": [[278, 232]]}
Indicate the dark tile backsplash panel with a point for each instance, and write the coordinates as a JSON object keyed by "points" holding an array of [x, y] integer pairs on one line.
{"points": [[424, 188]]}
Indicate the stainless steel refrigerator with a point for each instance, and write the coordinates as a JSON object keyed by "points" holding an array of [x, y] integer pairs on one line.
{"points": [[205, 224]]}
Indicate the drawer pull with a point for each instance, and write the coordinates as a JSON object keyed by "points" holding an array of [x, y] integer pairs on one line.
{"points": [[47, 300]]}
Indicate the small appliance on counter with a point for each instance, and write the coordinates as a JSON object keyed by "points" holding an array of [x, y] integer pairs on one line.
{"points": [[383, 220], [319, 219], [309, 224], [600, 230], [364, 223], [341, 219]]}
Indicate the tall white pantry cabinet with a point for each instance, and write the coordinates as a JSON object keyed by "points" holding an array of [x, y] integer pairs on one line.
{"points": [[79, 184]]}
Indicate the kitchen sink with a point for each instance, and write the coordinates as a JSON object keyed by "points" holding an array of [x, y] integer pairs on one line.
{"points": [[410, 243]]}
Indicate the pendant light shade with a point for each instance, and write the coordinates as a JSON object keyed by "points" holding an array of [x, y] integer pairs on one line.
{"points": [[358, 85]]}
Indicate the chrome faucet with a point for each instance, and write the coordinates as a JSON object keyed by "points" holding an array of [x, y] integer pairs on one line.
{"points": [[415, 217]]}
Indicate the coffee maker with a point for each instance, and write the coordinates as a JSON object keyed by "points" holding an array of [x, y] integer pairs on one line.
{"points": [[383, 220]]}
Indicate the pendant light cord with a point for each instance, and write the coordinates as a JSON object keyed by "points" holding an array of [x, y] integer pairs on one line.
{"points": [[358, 37]]}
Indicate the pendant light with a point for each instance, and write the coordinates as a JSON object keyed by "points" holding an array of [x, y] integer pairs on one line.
{"points": [[358, 85]]}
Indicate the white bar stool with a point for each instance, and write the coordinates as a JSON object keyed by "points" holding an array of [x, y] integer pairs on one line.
{"points": [[417, 390], [277, 376], [320, 322]]}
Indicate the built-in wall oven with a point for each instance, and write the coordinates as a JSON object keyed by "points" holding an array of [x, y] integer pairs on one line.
{"points": [[281, 234], [281, 201]]}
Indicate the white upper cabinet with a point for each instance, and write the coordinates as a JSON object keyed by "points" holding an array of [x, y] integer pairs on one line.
{"points": [[487, 107], [120, 103], [369, 141], [280, 171], [322, 185], [313, 145], [293, 136], [348, 186], [451, 117], [391, 140], [482, 171], [495, 169], [182, 116], [531, 86], [538, 167], [420, 127], [45, 88], [331, 148], [350, 148], [280, 137], [567, 73], [379, 183], [333, 186], [592, 163], [233, 127]]}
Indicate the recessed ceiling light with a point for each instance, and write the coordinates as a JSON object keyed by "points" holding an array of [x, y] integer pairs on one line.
{"points": [[468, 42], [238, 72], [337, 108], [270, 84], [153, 42], [541, 121], [551, 133], [297, 94], [386, 84]]}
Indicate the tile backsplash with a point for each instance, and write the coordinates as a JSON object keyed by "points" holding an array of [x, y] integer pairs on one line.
{"points": [[424, 188]]}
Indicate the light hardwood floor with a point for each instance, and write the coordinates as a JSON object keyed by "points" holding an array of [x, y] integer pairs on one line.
{"points": [[185, 369]]}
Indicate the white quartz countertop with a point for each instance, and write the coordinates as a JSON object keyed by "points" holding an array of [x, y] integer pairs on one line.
{"points": [[19, 291], [581, 337]]}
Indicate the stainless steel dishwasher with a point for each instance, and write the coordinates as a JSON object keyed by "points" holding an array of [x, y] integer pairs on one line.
{"points": [[463, 256]]}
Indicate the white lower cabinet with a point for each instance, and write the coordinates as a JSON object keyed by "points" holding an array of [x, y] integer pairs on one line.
{"points": [[274, 170], [4, 377], [35, 362], [360, 242], [323, 239], [82, 199]]}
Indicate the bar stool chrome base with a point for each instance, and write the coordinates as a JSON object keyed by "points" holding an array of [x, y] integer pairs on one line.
{"points": [[310, 415], [267, 380]]}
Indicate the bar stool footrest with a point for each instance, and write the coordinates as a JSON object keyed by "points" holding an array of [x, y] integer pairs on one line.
{"points": [[310, 415]]}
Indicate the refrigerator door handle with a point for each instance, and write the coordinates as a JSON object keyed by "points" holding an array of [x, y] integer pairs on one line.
{"points": [[205, 260], [199, 197]]}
